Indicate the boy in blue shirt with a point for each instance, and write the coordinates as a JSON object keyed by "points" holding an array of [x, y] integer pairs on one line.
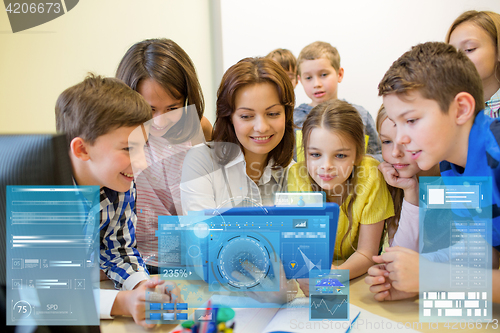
{"points": [[433, 94], [102, 119], [319, 72]]}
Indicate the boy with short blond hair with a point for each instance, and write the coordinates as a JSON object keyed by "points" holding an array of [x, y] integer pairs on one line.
{"points": [[317, 50], [287, 61], [319, 72], [103, 120], [434, 95]]}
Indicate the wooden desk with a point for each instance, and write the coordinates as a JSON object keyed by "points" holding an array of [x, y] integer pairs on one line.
{"points": [[404, 311]]}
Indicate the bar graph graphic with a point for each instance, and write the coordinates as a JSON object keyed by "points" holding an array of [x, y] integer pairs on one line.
{"points": [[52, 284]]}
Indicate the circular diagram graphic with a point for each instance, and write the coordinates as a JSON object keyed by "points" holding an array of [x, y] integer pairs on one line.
{"points": [[243, 262], [21, 310], [194, 251]]}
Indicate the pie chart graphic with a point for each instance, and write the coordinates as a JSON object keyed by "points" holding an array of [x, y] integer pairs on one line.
{"points": [[243, 262], [26, 15]]}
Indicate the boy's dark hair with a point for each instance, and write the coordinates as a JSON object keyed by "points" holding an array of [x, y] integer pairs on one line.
{"points": [[438, 71], [97, 106], [318, 50], [285, 58], [247, 72]]}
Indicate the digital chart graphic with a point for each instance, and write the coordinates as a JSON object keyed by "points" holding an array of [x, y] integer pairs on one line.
{"points": [[456, 223], [52, 255], [243, 262], [329, 307], [244, 249], [329, 295]]}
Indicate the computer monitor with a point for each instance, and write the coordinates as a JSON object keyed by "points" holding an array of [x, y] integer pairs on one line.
{"points": [[304, 236], [242, 249], [40, 159], [31, 159]]}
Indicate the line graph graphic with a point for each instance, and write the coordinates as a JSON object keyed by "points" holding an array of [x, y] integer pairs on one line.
{"points": [[329, 307]]}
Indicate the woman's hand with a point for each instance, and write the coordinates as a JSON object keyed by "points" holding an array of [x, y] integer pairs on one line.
{"points": [[287, 288]]}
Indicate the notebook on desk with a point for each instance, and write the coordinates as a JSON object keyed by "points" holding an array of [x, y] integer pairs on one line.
{"points": [[294, 317]]}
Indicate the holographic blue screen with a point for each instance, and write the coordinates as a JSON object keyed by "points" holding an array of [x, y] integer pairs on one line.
{"points": [[455, 216], [52, 255]]}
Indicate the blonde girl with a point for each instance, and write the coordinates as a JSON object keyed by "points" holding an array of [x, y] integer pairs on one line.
{"points": [[477, 33], [400, 172], [335, 163]]}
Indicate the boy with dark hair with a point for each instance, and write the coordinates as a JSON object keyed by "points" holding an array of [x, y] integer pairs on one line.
{"points": [[319, 72], [433, 94], [103, 121]]}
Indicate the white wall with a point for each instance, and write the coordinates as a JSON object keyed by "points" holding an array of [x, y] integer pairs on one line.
{"points": [[36, 65], [369, 34]]}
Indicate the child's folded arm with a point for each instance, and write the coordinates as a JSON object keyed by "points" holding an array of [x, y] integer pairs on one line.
{"points": [[407, 233]]}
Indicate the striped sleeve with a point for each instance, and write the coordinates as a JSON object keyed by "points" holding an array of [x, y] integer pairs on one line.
{"points": [[119, 256]]}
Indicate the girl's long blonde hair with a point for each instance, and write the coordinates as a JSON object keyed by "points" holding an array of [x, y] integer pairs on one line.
{"points": [[344, 120], [397, 194]]}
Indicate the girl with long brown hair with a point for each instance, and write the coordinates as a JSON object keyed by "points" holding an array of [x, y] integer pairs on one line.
{"points": [[335, 163]]}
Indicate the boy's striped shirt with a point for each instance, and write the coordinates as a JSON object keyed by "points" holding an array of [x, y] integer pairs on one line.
{"points": [[119, 257]]}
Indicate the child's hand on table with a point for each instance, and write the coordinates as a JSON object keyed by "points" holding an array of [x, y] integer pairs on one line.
{"points": [[133, 302], [381, 286], [397, 275], [172, 290]]}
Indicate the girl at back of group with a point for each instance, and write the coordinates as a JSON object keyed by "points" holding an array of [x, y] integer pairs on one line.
{"points": [[477, 33], [165, 76], [334, 149]]}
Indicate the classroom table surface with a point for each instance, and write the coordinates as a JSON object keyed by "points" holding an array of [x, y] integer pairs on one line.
{"points": [[403, 311]]}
